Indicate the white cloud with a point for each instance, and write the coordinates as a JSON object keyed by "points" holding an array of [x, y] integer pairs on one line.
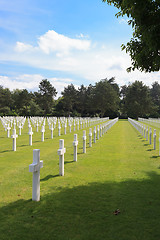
{"points": [[22, 47], [123, 21], [54, 42], [25, 81], [81, 35], [31, 82], [57, 52]]}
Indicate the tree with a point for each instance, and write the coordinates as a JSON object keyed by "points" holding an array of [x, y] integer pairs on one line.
{"points": [[21, 99], [138, 102], [34, 109], [155, 95], [69, 99], [144, 46], [45, 96], [5, 101], [123, 93], [106, 97], [81, 99]]}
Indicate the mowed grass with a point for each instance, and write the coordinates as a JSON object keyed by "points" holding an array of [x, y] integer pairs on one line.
{"points": [[121, 171]]}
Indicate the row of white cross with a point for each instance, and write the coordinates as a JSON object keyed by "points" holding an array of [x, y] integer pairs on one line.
{"points": [[37, 164], [7, 122], [151, 121], [146, 133], [38, 121]]}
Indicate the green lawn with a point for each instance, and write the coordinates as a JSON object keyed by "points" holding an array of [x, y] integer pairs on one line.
{"points": [[121, 171]]}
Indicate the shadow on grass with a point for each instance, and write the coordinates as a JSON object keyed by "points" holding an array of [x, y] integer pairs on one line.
{"points": [[146, 144], [49, 177], [149, 150], [87, 213], [24, 145], [6, 151], [155, 156], [66, 162]]}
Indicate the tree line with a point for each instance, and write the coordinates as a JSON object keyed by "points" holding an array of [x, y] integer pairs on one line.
{"points": [[104, 98]]}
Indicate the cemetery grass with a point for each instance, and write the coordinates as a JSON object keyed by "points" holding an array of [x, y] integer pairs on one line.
{"points": [[121, 171]]}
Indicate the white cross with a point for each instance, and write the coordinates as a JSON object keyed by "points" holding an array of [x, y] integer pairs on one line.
{"points": [[35, 169], [98, 132], [30, 133], [75, 144], [14, 125], [150, 136], [84, 141], [20, 127], [94, 134], [59, 129], [90, 137], [65, 126], [14, 136], [42, 131], [154, 140], [61, 152], [8, 131], [78, 125]]}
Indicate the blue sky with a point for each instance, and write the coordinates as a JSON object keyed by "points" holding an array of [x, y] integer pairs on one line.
{"points": [[65, 42]]}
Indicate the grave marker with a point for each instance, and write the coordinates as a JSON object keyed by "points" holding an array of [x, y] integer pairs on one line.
{"points": [[150, 136], [154, 140], [98, 132], [90, 137], [59, 129], [84, 141], [30, 136], [94, 134], [147, 134], [75, 144], [20, 129], [42, 131], [14, 136], [35, 169], [8, 131], [61, 152]]}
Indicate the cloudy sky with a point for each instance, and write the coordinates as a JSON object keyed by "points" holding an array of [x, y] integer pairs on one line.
{"points": [[65, 42]]}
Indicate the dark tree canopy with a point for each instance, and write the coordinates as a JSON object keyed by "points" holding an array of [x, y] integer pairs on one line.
{"points": [[155, 95], [104, 98], [144, 46], [137, 100], [45, 96]]}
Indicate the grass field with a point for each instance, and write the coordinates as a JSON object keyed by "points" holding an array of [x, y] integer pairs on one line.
{"points": [[121, 171]]}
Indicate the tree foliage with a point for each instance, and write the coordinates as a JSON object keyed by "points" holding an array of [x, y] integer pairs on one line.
{"points": [[144, 46], [45, 96], [137, 100], [104, 98], [155, 95]]}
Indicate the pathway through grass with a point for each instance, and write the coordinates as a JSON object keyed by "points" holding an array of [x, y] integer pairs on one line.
{"points": [[121, 171]]}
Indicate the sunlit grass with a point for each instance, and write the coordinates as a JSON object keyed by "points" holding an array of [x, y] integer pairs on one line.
{"points": [[121, 171]]}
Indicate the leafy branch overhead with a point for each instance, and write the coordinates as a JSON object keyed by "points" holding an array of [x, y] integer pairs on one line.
{"points": [[144, 46]]}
